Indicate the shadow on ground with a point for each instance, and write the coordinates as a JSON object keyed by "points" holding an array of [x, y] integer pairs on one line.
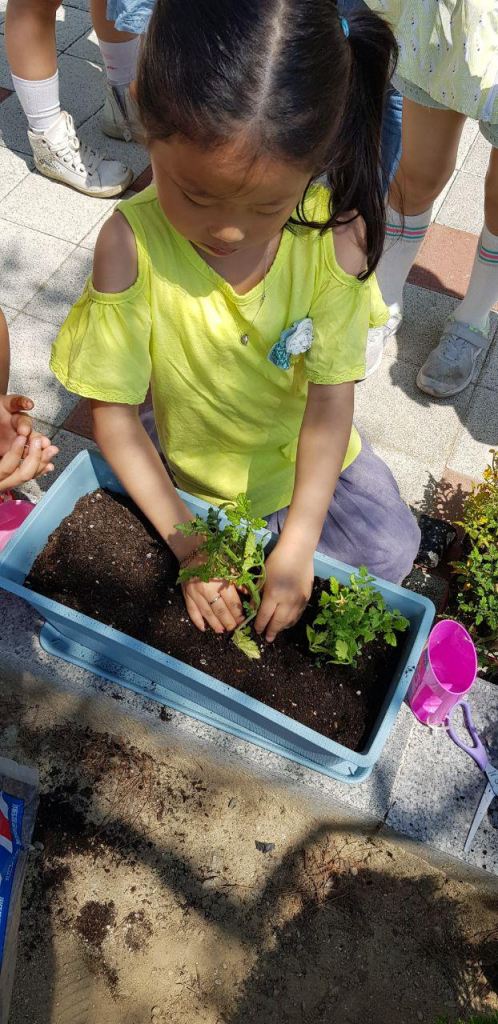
{"points": [[150, 892]]}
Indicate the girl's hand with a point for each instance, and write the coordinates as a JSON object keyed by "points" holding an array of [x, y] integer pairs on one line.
{"points": [[289, 580], [14, 420], [216, 603], [26, 460]]}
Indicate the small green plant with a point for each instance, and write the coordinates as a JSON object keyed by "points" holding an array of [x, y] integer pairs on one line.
{"points": [[476, 572], [351, 617], [234, 554]]}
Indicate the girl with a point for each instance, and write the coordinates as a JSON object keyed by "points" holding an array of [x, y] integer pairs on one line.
{"points": [[447, 71], [235, 288]]}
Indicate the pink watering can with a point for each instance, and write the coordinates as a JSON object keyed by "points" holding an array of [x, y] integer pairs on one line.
{"points": [[12, 515], [445, 672]]}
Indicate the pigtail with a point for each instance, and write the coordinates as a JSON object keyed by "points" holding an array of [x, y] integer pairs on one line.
{"points": [[353, 166], [355, 169]]}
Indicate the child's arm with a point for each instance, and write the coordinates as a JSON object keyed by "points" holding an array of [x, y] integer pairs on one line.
{"points": [[125, 444], [129, 450], [323, 441]]}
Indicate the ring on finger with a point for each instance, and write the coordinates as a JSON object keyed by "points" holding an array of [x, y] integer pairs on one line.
{"points": [[215, 600]]}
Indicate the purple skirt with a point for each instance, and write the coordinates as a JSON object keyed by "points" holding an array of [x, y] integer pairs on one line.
{"points": [[367, 523]]}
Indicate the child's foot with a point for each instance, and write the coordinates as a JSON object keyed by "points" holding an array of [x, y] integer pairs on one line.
{"points": [[120, 117], [377, 339], [61, 155], [452, 365]]}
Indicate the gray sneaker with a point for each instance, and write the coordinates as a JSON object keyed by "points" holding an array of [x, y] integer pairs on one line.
{"points": [[377, 339], [120, 118], [452, 365]]}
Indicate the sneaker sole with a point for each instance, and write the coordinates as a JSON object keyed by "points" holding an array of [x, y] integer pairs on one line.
{"points": [[107, 193], [113, 132], [427, 390]]}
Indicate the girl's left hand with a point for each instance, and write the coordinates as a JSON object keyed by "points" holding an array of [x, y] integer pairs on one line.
{"points": [[14, 420], [289, 581]]}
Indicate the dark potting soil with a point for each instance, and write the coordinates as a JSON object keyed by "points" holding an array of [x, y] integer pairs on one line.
{"points": [[106, 561]]}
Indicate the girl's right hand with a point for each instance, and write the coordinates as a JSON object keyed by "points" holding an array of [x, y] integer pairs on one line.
{"points": [[19, 465], [217, 603]]}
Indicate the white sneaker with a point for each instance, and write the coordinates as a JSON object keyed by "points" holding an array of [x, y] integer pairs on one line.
{"points": [[120, 118], [452, 365], [377, 339], [61, 155]]}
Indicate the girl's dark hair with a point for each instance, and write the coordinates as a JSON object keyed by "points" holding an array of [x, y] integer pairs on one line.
{"points": [[285, 73]]}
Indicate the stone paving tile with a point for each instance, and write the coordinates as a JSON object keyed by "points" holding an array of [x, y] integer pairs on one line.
{"points": [[60, 292], [469, 135], [10, 314], [142, 181], [130, 153], [79, 420], [463, 207], [70, 24], [477, 159], [82, 94], [88, 242], [444, 262], [86, 47], [83, 5], [13, 169], [445, 499], [30, 342], [439, 788], [393, 413], [414, 477], [470, 453], [425, 312], [27, 260], [437, 204], [5, 76], [49, 206], [489, 375], [82, 87]]}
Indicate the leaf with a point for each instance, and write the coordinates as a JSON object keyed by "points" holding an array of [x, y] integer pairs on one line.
{"points": [[243, 641], [342, 650]]}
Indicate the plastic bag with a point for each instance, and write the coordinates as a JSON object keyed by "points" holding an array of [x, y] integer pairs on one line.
{"points": [[18, 806]]}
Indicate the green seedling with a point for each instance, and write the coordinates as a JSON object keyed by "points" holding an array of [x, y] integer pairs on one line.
{"points": [[350, 617], [234, 554]]}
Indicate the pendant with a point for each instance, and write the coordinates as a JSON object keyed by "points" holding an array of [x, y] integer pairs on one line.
{"points": [[244, 338]]}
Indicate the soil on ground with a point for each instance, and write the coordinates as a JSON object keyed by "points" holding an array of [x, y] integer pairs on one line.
{"points": [[106, 561], [165, 890]]}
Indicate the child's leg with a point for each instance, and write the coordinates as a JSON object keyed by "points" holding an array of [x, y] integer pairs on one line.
{"points": [[429, 150], [367, 522], [119, 50], [453, 364]]}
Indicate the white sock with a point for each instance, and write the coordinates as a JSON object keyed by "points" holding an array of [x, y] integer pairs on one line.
{"points": [[120, 61], [482, 292], [39, 100], [403, 241]]}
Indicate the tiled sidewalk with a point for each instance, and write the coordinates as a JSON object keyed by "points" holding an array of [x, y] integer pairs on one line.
{"points": [[48, 232]]}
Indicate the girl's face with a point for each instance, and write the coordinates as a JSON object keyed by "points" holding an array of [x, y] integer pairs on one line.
{"points": [[221, 200]]}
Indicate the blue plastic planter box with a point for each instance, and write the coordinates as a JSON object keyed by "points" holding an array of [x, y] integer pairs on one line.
{"points": [[84, 641]]}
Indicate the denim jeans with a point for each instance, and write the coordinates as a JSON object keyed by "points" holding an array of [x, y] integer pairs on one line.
{"points": [[393, 107]]}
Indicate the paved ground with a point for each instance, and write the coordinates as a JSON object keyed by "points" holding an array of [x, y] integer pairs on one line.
{"points": [[47, 234]]}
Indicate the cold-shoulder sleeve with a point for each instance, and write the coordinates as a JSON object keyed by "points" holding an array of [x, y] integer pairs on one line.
{"points": [[103, 348], [342, 313]]}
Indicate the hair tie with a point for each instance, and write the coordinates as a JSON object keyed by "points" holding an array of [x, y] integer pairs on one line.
{"points": [[345, 26]]}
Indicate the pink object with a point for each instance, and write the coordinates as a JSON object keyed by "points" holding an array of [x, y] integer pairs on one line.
{"points": [[445, 672], [12, 515]]}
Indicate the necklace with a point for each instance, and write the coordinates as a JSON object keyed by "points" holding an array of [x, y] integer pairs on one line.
{"points": [[244, 338]]}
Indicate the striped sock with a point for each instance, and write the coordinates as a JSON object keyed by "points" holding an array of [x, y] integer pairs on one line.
{"points": [[403, 240], [482, 292]]}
